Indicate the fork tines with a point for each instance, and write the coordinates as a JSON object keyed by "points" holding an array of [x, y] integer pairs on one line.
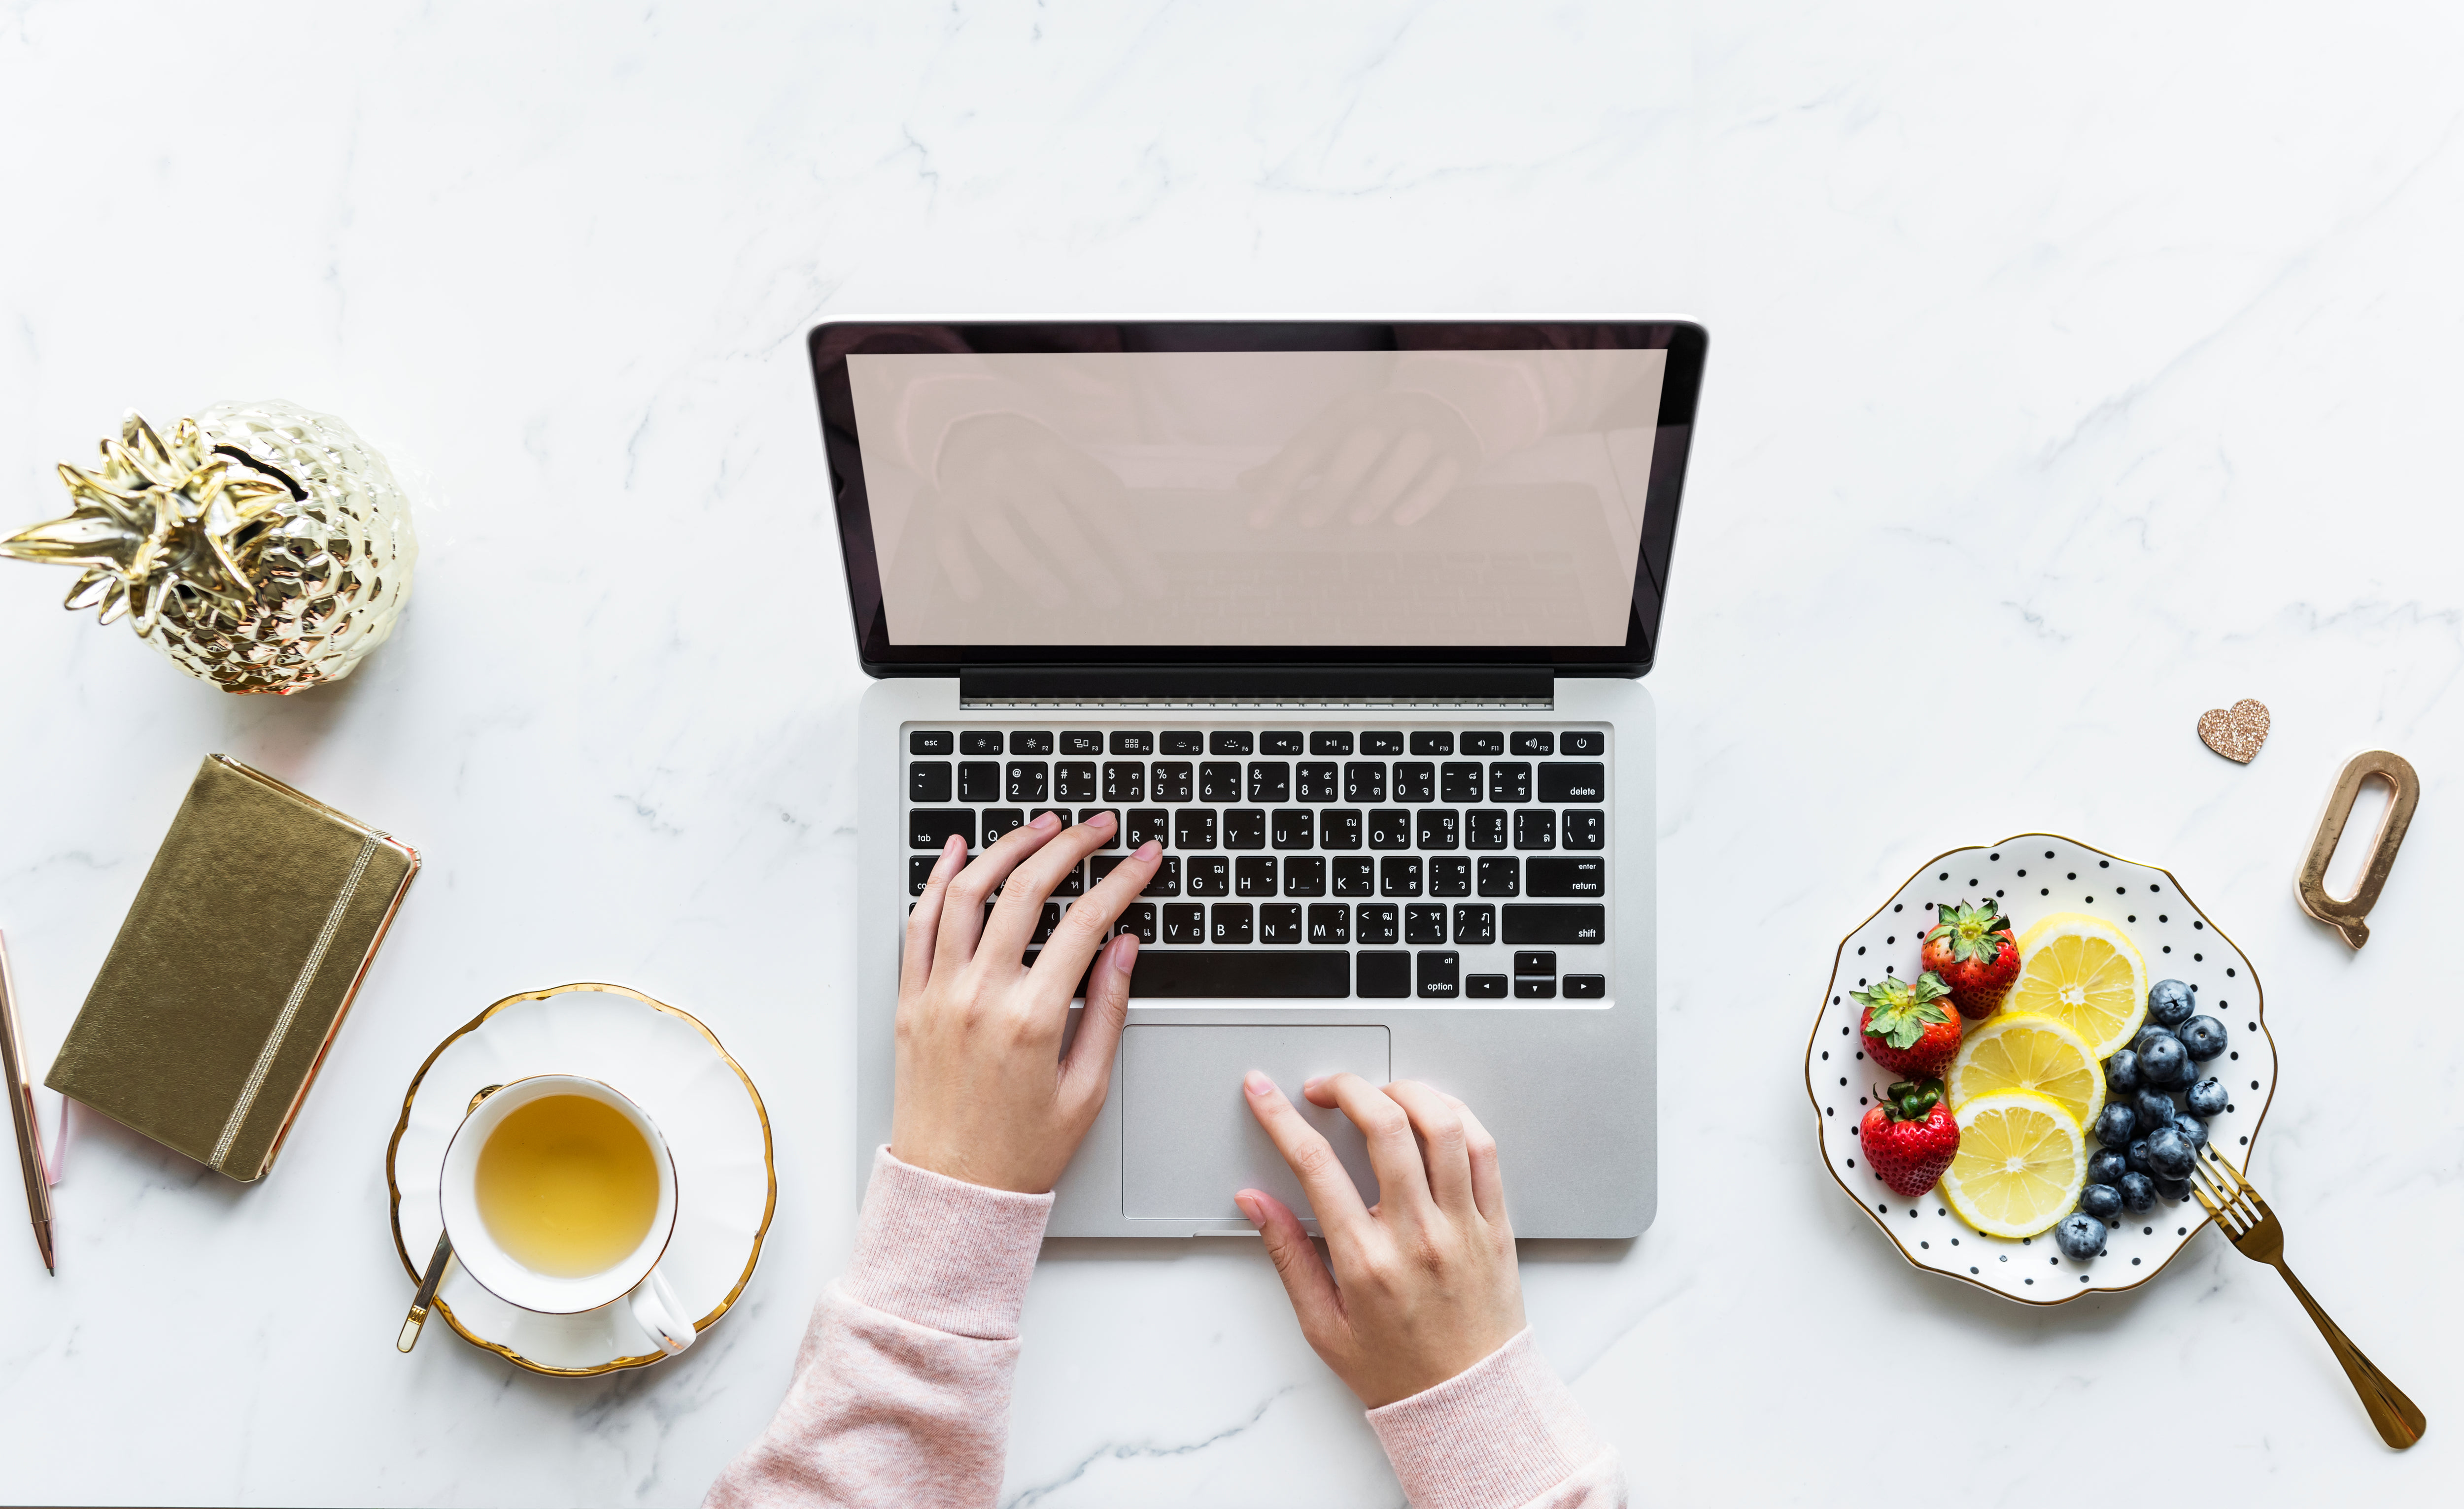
{"points": [[2228, 1196]]}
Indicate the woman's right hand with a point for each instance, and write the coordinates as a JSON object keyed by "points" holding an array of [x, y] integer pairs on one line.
{"points": [[1422, 1285]]}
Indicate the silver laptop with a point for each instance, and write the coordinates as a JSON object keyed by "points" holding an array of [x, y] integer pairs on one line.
{"points": [[1352, 618]]}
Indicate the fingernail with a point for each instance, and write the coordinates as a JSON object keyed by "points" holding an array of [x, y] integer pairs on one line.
{"points": [[1311, 1082], [1248, 1207], [1101, 819], [1150, 849], [1257, 1083], [1045, 822]]}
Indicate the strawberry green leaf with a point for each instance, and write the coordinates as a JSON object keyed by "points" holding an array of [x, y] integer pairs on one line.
{"points": [[1971, 932], [1903, 1011]]}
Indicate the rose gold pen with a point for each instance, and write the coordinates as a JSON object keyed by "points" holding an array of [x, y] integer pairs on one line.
{"points": [[21, 1110]]}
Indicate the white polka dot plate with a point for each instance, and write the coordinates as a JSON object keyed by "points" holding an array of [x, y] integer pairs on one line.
{"points": [[2034, 875]]}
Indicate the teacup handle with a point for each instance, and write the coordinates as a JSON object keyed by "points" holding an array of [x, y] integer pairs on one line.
{"points": [[661, 1314]]}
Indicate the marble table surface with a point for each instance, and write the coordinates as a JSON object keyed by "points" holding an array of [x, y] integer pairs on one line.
{"points": [[2074, 369]]}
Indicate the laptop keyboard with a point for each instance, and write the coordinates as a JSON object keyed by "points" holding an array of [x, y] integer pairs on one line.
{"points": [[1422, 862]]}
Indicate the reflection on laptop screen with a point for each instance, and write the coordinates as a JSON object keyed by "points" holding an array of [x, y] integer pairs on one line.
{"points": [[1488, 497]]}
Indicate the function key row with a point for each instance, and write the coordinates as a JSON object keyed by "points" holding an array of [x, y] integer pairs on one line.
{"points": [[1242, 742]]}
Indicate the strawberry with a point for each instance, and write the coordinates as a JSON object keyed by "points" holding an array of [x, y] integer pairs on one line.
{"points": [[1909, 1137], [1973, 950], [1908, 1029]]}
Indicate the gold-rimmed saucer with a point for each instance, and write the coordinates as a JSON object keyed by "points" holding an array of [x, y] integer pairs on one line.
{"points": [[670, 1064]]}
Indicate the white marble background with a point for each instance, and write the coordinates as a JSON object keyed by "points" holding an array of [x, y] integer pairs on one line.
{"points": [[2074, 369]]}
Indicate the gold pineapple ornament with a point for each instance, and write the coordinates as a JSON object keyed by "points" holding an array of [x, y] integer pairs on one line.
{"points": [[263, 548]]}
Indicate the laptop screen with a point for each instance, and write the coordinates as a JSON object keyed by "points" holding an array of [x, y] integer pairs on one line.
{"points": [[1212, 492]]}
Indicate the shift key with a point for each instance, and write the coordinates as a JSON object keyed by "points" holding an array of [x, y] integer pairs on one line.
{"points": [[1565, 922], [1565, 875], [931, 827]]}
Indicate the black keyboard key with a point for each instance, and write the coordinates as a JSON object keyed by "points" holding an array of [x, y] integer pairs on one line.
{"points": [[1389, 742], [928, 781], [1500, 875], [1383, 976], [929, 741], [1088, 815], [1144, 824], [1253, 875], [1364, 780], [1184, 743], [1529, 741], [1167, 877], [1073, 780], [1000, 821], [1536, 828], [1244, 828], [1390, 828], [1485, 828], [1586, 987], [1510, 781], [1025, 741], [1073, 884], [1449, 875], [1338, 828], [1229, 741], [919, 871], [931, 827], [1125, 780], [1356, 875], [1082, 741], [1219, 781], [1543, 989], [1175, 780], [1329, 923], [1537, 961], [1439, 974], [1271, 781], [1582, 743], [1458, 781], [1046, 920], [1182, 923], [1425, 921], [1475, 922], [1304, 875], [1432, 741], [1585, 783], [1555, 922], [1398, 875], [1029, 780], [1381, 922], [1193, 829], [1279, 922], [1293, 828], [1137, 919], [1569, 875], [1234, 923], [1318, 782], [1279, 743], [1484, 987], [1490, 742], [1209, 875], [1441, 828], [1270, 974], [979, 781], [1331, 741], [980, 741], [1586, 829], [1132, 741], [1415, 780]]}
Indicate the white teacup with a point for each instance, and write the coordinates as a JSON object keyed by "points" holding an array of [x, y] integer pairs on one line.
{"points": [[634, 1278]]}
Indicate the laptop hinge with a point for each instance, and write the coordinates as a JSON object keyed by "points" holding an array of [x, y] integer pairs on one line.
{"points": [[1527, 686]]}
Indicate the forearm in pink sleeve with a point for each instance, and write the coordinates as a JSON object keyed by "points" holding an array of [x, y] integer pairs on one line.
{"points": [[1504, 1433], [901, 1393]]}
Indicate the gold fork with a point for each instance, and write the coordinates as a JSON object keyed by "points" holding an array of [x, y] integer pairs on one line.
{"points": [[2255, 1230]]}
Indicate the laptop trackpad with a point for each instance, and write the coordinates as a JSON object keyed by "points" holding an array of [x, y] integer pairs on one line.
{"points": [[1189, 1141]]}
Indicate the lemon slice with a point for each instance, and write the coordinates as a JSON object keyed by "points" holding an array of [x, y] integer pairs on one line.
{"points": [[2021, 1164], [2029, 1053], [2085, 973]]}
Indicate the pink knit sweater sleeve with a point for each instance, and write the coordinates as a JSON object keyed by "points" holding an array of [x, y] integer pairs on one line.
{"points": [[1504, 1433]]}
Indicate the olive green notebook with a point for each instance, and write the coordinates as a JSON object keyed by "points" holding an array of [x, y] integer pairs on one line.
{"points": [[232, 971]]}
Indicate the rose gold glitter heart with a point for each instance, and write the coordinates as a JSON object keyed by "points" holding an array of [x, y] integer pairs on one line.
{"points": [[2238, 732]]}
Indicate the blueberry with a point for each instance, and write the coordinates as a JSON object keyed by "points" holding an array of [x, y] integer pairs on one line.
{"points": [[2106, 1165], [2204, 1037], [2194, 1131], [2207, 1098], [2138, 1157], [2079, 1236], [2151, 1033], [2155, 1108], [2168, 1001], [2138, 1194], [2170, 1154], [2122, 1072], [2165, 1062], [2113, 1124], [2100, 1201], [2174, 1189]]}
